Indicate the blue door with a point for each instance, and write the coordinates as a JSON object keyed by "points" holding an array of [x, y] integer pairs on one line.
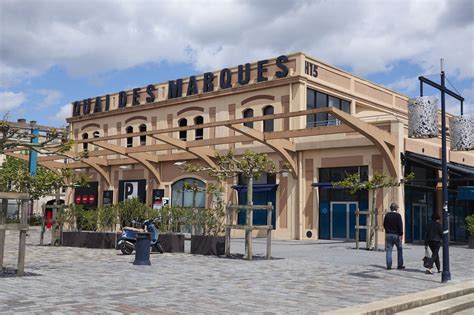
{"points": [[420, 218], [260, 198], [343, 220]]}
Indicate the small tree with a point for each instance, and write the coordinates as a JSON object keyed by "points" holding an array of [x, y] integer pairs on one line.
{"points": [[250, 165], [15, 177], [14, 138], [373, 186]]}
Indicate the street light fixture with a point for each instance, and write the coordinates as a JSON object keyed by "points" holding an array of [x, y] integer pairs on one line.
{"points": [[446, 274]]}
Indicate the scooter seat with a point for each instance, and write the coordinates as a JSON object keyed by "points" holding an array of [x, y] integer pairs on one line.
{"points": [[132, 229]]}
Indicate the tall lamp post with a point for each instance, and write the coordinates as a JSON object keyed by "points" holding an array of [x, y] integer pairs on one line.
{"points": [[446, 275]]}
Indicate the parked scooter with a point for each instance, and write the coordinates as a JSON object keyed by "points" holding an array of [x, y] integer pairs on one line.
{"points": [[127, 241]]}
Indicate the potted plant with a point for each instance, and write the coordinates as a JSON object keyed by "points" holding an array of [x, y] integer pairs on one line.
{"points": [[170, 221], [94, 228], [209, 225], [470, 228]]}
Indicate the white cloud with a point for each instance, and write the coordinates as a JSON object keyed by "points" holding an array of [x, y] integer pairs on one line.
{"points": [[51, 97], [64, 112], [11, 100], [405, 85], [91, 37]]}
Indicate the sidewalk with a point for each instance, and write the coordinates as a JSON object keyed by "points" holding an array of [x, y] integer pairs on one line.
{"points": [[304, 276]]}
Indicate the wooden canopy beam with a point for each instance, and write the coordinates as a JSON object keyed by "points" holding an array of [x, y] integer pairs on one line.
{"points": [[380, 138], [281, 146], [95, 163], [204, 153], [51, 165], [142, 158]]}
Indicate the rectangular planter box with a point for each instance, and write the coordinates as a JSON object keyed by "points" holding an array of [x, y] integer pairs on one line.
{"points": [[171, 243], [90, 239], [471, 241], [207, 245]]}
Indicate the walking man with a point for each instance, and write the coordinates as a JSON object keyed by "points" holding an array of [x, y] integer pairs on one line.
{"points": [[393, 226]]}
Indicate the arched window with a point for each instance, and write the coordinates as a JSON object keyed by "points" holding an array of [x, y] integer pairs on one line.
{"points": [[268, 124], [129, 129], [181, 197], [248, 113], [183, 134], [85, 145], [142, 128], [199, 133]]}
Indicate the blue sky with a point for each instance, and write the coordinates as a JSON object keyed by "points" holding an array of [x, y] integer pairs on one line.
{"points": [[54, 52]]}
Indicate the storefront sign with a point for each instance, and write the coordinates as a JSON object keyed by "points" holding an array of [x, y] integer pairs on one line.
{"points": [[129, 189], [159, 200], [87, 196], [108, 197], [311, 69], [175, 87]]}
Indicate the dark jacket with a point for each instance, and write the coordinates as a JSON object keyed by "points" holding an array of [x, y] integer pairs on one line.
{"points": [[434, 232], [392, 223]]}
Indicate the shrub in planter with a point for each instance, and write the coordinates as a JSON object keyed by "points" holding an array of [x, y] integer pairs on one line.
{"points": [[170, 223], [90, 239], [133, 209], [470, 228], [106, 218], [210, 221]]}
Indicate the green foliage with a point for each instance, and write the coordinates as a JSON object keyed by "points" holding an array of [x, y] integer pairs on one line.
{"points": [[250, 165], [19, 138], [470, 224], [35, 220], [107, 218], [15, 177], [354, 184], [171, 218], [88, 220], [133, 209]]}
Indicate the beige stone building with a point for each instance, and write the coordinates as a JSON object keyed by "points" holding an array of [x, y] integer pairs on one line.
{"points": [[323, 122]]}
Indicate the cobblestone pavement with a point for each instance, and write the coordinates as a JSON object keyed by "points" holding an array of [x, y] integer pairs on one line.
{"points": [[304, 277]]}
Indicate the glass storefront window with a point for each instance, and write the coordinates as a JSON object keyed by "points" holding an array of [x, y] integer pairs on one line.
{"points": [[183, 198], [316, 99]]}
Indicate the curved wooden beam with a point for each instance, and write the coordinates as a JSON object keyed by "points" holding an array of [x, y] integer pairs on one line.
{"points": [[95, 163], [380, 138], [142, 158], [206, 154], [51, 165], [281, 146]]}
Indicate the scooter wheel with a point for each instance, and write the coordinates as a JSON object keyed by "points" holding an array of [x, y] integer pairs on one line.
{"points": [[126, 250], [159, 248]]}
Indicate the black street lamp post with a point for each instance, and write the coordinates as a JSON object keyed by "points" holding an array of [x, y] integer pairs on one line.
{"points": [[446, 275]]}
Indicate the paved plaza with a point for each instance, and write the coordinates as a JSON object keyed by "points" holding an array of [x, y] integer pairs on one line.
{"points": [[303, 277]]}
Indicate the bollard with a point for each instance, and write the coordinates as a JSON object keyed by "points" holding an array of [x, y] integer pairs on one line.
{"points": [[142, 249]]}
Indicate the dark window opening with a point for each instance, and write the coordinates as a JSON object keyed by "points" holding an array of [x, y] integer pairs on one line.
{"points": [[268, 124], [199, 133], [85, 145], [183, 134], [129, 139], [142, 128], [248, 113]]}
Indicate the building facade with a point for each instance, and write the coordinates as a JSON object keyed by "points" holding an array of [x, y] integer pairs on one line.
{"points": [[323, 122]]}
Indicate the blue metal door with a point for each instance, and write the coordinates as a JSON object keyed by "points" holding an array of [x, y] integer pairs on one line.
{"points": [[420, 217], [343, 220], [259, 198], [339, 220]]}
